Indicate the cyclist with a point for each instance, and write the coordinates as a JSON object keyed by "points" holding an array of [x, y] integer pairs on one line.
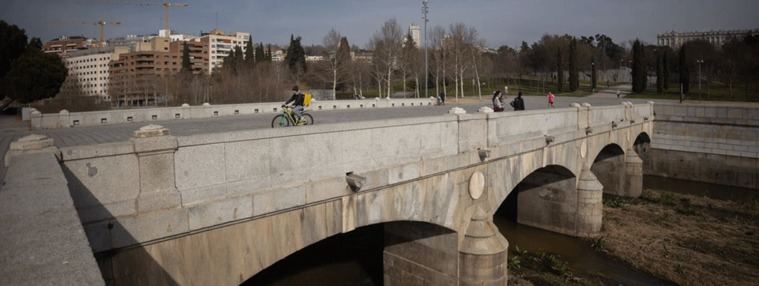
{"points": [[297, 99]]}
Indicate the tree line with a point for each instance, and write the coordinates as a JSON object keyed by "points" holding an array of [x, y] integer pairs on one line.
{"points": [[733, 67]]}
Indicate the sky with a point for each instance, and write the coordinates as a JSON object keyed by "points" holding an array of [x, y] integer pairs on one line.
{"points": [[499, 22]]}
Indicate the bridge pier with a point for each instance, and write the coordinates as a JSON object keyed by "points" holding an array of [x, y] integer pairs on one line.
{"points": [[419, 254], [620, 174], [633, 174], [589, 204], [483, 257]]}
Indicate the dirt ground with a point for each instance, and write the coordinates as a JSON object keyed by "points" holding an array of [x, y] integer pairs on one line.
{"points": [[686, 239]]}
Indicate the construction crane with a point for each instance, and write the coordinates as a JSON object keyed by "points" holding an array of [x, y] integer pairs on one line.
{"points": [[166, 6], [101, 29]]}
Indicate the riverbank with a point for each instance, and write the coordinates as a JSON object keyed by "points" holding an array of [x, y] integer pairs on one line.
{"points": [[687, 239]]}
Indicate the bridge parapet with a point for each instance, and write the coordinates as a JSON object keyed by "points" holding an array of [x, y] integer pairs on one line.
{"points": [[42, 240], [66, 119]]}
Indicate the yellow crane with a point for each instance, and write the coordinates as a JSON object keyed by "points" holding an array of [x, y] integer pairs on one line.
{"points": [[101, 29], [166, 6]]}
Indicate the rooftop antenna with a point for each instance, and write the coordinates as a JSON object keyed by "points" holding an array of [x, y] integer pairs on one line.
{"points": [[216, 24]]}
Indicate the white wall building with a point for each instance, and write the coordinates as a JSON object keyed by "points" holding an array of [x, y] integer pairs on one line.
{"points": [[416, 34], [90, 70], [220, 45], [675, 40]]}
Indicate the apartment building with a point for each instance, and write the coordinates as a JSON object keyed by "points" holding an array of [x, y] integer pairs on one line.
{"points": [[64, 44], [89, 71]]}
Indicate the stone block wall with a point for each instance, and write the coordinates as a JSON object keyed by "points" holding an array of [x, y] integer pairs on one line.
{"points": [[713, 144]]}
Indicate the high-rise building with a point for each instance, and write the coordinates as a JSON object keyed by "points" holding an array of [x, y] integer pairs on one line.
{"points": [[416, 34], [89, 71], [675, 39], [220, 45]]}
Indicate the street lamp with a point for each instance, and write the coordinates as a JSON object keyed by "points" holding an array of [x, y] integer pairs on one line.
{"points": [[699, 62], [593, 76], [425, 11]]}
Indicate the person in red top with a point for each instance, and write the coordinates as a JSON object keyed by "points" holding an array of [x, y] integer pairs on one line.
{"points": [[551, 98]]}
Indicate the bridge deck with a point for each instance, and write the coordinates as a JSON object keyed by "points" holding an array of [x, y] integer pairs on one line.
{"points": [[122, 132]]}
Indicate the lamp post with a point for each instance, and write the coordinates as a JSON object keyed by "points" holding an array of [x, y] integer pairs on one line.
{"points": [[699, 62], [593, 76], [425, 11]]}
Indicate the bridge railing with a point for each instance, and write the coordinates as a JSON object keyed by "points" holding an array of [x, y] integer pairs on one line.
{"points": [[66, 119]]}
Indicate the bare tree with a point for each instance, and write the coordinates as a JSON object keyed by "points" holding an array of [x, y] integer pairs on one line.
{"points": [[331, 43], [387, 46], [437, 36]]}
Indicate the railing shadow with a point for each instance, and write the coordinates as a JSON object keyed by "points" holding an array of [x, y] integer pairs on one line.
{"points": [[126, 269]]}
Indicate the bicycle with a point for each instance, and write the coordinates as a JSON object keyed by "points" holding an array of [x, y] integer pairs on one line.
{"points": [[287, 118]]}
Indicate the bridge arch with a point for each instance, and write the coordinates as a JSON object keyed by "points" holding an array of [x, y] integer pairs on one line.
{"points": [[388, 248], [642, 144], [232, 253], [608, 166], [546, 198]]}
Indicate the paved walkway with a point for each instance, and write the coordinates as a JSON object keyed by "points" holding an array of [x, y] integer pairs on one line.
{"points": [[11, 129]]}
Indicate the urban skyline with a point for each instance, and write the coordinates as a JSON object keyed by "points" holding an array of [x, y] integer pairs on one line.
{"points": [[499, 22]]}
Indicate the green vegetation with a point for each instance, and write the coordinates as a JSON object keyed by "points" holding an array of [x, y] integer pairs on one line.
{"points": [[27, 74]]}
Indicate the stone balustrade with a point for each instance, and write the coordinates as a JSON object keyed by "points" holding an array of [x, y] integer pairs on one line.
{"points": [[66, 119]]}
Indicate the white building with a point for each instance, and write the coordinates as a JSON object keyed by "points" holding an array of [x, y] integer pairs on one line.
{"points": [[675, 40], [416, 34], [278, 55], [89, 69], [220, 45]]}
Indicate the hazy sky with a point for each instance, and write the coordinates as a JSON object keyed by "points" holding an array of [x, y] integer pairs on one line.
{"points": [[498, 21]]}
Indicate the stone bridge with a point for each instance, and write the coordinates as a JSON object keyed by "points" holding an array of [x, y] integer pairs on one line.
{"points": [[216, 209]]}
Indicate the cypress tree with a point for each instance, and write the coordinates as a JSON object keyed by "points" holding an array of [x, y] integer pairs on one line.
{"points": [[636, 66], [296, 56], [574, 75], [559, 71], [665, 69], [186, 64], [250, 59], [683, 70], [268, 53], [659, 73]]}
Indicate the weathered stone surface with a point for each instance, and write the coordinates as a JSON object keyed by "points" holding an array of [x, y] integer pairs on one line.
{"points": [[42, 241]]}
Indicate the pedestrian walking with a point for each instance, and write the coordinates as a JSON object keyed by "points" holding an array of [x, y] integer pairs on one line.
{"points": [[551, 99], [497, 101], [617, 93], [518, 102]]}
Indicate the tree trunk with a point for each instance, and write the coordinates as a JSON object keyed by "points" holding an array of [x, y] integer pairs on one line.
{"points": [[416, 79], [389, 75], [334, 81]]}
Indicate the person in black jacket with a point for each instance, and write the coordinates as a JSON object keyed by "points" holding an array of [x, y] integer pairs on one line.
{"points": [[518, 102], [297, 99]]}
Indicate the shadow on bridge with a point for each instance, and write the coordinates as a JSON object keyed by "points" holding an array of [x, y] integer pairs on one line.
{"points": [[114, 274], [368, 255]]}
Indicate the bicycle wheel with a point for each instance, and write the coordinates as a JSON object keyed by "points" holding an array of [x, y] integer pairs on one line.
{"points": [[308, 118], [279, 121]]}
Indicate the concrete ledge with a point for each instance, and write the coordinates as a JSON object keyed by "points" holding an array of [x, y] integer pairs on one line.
{"points": [[42, 241]]}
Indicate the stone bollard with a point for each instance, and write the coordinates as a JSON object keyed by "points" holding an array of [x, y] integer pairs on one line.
{"points": [[483, 256], [633, 174], [29, 144], [457, 110], [589, 204], [155, 153], [485, 109]]}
